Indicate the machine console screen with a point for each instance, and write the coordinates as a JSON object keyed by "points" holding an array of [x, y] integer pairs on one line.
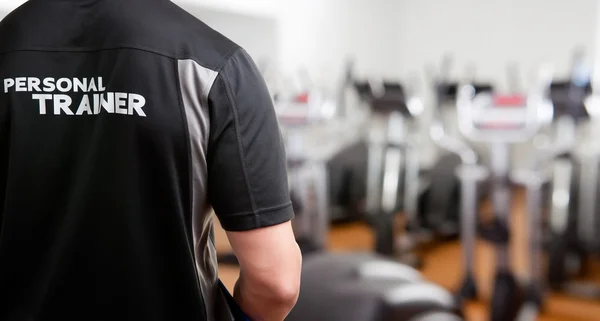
{"points": [[501, 112]]}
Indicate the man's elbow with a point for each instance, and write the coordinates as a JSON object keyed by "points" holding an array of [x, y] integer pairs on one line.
{"points": [[287, 295], [286, 288]]}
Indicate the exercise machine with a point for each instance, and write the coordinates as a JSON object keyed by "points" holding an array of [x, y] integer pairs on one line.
{"points": [[589, 218], [534, 178], [441, 212], [500, 121], [347, 169], [393, 166], [315, 128], [573, 215], [469, 172], [367, 287]]}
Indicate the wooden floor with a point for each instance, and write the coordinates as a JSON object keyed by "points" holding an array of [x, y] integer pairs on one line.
{"points": [[443, 266]]}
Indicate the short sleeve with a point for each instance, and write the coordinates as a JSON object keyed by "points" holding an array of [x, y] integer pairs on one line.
{"points": [[247, 174]]}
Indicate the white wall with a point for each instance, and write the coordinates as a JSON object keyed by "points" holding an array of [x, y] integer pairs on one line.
{"points": [[9, 5], [322, 34], [492, 33], [597, 45]]}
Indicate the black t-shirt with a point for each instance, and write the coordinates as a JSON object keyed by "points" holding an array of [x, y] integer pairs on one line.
{"points": [[121, 123]]}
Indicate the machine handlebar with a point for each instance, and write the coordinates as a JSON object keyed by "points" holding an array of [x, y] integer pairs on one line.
{"points": [[437, 130], [485, 117], [575, 96]]}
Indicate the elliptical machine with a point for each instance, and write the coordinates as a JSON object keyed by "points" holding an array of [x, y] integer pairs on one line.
{"points": [[573, 214], [392, 167], [441, 213], [501, 121], [534, 179], [470, 174]]}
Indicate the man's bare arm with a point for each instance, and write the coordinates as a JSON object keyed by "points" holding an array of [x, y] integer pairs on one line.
{"points": [[270, 263]]}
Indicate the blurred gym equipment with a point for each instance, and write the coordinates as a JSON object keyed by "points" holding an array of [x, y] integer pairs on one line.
{"points": [[469, 172], [347, 169], [393, 165], [499, 121], [364, 287], [573, 215], [441, 213], [314, 133], [534, 177], [342, 287]]}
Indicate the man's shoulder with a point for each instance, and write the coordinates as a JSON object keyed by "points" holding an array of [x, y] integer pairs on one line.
{"points": [[187, 37], [157, 26]]}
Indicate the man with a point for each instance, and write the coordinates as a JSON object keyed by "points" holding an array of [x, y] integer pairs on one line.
{"points": [[121, 123]]}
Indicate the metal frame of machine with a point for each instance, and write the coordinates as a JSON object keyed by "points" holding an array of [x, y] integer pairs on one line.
{"points": [[485, 118], [574, 212], [392, 165]]}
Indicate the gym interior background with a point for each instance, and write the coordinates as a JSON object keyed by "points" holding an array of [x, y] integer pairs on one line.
{"points": [[366, 87]]}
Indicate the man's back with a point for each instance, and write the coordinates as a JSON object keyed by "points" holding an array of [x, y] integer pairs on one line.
{"points": [[119, 127]]}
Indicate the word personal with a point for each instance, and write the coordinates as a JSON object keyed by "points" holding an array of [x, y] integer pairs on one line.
{"points": [[54, 96]]}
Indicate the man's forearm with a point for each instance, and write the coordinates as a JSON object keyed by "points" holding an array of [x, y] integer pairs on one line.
{"points": [[260, 304]]}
